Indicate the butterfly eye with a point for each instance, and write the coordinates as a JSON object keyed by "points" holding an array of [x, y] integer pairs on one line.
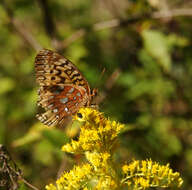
{"points": [[79, 115]]}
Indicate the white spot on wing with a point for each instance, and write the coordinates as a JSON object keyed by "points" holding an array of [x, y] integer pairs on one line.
{"points": [[71, 90], [64, 100], [50, 97], [61, 87], [56, 92], [50, 106], [55, 110], [66, 109], [78, 94]]}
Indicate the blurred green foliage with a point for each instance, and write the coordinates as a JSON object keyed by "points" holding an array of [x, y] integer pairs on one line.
{"points": [[147, 83]]}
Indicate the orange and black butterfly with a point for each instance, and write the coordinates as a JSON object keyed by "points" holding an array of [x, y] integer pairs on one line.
{"points": [[63, 89]]}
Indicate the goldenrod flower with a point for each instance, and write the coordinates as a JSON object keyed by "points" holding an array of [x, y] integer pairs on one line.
{"points": [[106, 183], [98, 160], [97, 132], [75, 179], [144, 174], [51, 187]]}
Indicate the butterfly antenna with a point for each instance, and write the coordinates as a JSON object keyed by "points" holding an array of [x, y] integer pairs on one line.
{"points": [[99, 79], [102, 74], [95, 90]]}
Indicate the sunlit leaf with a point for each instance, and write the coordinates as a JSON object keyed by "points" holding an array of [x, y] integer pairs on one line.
{"points": [[32, 135], [156, 45]]}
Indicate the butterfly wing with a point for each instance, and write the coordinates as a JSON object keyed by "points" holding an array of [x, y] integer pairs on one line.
{"points": [[63, 89], [53, 69], [60, 104]]}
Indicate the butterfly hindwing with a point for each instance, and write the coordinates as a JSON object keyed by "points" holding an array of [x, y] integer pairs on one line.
{"points": [[60, 104]]}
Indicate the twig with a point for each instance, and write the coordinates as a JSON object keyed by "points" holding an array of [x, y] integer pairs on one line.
{"points": [[29, 185], [25, 34], [106, 24], [172, 13], [76, 35]]}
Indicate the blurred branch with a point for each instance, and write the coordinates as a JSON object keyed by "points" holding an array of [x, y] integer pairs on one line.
{"points": [[20, 28], [106, 24], [25, 34], [122, 23], [156, 15], [172, 13], [97, 27], [29, 185], [75, 36]]}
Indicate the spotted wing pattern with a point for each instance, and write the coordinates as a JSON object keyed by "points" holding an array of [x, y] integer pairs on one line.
{"points": [[63, 89]]}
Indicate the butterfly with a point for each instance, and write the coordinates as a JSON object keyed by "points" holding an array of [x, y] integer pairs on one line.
{"points": [[63, 89]]}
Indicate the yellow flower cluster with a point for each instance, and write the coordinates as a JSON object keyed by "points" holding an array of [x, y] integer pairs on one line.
{"points": [[97, 132], [98, 160], [75, 179], [144, 174], [97, 138], [106, 183]]}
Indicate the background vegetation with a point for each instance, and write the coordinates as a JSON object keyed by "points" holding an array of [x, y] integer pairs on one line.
{"points": [[144, 49]]}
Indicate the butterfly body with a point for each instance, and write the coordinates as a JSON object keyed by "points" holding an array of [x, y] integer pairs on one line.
{"points": [[63, 89]]}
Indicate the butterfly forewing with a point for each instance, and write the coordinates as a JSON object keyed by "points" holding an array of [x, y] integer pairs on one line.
{"points": [[54, 69], [63, 89]]}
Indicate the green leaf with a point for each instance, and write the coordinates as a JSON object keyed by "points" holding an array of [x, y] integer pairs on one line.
{"points": [[155, 43], [32, 135], [39, 131], [175, 40]]}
